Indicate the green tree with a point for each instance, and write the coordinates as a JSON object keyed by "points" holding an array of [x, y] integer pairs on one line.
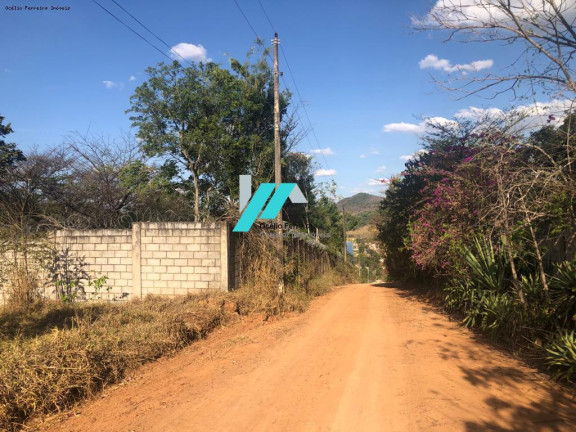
{"points": [[209, 125], [297, 168], [109, 184], [9, 154], [327, 218]]}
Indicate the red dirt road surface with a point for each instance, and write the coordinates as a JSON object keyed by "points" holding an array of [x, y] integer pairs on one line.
{"points": [[364, 358]]}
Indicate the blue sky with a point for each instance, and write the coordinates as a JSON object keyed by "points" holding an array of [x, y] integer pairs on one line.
{"points": [[363, 74]]}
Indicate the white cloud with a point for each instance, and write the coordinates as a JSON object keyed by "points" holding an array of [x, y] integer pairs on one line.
{"points": [[132, 78], [420, 128], [109, 84], [374, 152], [523, 117], [190, 52], [381, 169], [325, 151], [325, 172], [374, 190], [475, 113], [487, 14], [461, 11], [538, 114], [403, 127], [375, 182], [362, 156], [432, 61]]}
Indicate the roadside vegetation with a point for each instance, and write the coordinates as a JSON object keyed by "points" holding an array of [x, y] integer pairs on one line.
{"points": [[489, 215]]}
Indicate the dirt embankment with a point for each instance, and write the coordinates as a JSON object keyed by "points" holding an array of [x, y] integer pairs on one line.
{"points": [[363, 358]]}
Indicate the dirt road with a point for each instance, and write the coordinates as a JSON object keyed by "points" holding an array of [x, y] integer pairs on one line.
{"points": [[364, 358]]}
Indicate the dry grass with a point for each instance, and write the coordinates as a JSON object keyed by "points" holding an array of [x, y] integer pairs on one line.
{"points": [[367, 232], [21, 286], [264, 296], [65, 357], [303, 281]]}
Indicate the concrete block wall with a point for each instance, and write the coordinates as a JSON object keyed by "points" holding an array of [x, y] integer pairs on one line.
{"points": [[181, 258], [169, 258], [106, 253], [7, 259]]}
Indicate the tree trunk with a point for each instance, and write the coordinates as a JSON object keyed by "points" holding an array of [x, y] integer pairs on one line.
{"points": [[504, 199], [539, 258], [196, 196]]}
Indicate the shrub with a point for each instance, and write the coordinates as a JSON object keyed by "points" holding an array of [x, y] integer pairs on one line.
{"points": [[483, 297], [66, 273], [563, 292], [488, 267], [501, 315], [474, 295], [561, 356], [21, 287]]}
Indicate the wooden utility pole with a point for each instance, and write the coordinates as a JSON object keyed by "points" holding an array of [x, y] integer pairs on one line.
{"points": [[277, 149], [344, 250], [277, 157]]}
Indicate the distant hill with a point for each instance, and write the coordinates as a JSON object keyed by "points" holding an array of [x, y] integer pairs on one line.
{"points": [[360, 213], [359, 203]]}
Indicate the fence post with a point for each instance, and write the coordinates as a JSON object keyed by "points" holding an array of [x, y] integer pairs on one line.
{"points": [[136, 259], [298, 258], [224, 246]]}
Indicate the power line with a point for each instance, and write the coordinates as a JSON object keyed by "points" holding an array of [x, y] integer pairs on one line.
{"points": [[150, 31], [267, 17], [257, 36], [303, 106], [132, 30], [246, 19]]}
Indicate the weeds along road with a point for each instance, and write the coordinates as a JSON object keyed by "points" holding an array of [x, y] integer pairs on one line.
{"points": [[364, 358]]}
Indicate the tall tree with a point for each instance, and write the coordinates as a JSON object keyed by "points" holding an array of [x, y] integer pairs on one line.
{"points": [[208, 125], [109, 184]]}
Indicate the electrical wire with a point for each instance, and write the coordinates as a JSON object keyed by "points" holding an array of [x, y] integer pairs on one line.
{"points": [[132, 30], [267, 17], [318, 149], [247, 20], [150, 31]]}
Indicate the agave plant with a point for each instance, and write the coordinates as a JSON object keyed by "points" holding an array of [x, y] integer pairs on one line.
{"points": [[562, 356], [500, 314], [488, 268], [532, 287], [464, 296], [563, 291]]}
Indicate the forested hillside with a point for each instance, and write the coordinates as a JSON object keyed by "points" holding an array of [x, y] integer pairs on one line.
{"points": [[360, 211]]}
